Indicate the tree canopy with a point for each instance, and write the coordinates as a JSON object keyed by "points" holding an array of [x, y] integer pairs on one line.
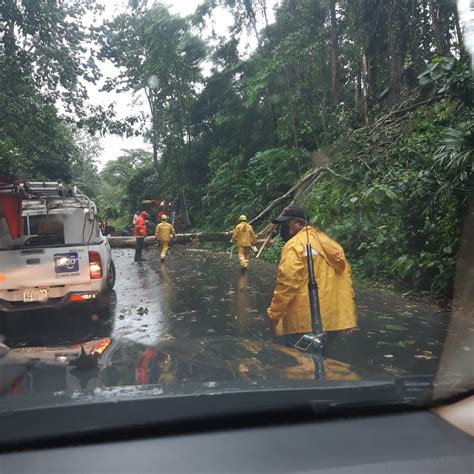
{"points": [[379, 92]]}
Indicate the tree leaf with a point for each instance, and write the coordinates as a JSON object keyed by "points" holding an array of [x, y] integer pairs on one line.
{"points": [[424, 80], [435, 75], [396, 327]]}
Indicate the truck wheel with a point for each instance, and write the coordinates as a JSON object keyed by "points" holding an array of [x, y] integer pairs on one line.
{"points": [[111, 276]]}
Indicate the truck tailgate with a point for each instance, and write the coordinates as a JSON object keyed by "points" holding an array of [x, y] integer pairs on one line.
{"points": [[44, 267]]}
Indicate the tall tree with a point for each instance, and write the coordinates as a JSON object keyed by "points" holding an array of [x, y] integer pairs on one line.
{"points": [[43, 63], [441, 40], [84, 171], [160, 56], [44, 41], [396, 42], [335, 68]]}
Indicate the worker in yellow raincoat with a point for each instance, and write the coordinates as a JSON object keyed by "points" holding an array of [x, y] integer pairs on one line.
{"points": [[164, 232], [245, 237], [289, 310]]}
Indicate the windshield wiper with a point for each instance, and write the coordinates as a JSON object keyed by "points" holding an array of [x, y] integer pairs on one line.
{"points": [[413, 390]]}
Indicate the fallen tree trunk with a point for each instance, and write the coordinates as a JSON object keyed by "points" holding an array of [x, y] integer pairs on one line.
{"points": [[304, 181], [129, 242], [299, 188]]}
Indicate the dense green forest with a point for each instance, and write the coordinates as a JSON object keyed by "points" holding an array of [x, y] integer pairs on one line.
{"points": [[376, 93]]}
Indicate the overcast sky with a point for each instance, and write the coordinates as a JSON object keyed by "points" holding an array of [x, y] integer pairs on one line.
{"points": [[126, 103]]}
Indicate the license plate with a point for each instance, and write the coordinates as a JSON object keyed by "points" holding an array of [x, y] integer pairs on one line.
{"points": [[35, 294]]}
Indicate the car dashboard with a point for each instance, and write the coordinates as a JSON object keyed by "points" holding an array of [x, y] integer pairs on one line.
{"points": [[414, 441]]}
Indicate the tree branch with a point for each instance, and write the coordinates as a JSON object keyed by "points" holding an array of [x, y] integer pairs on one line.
{"points": [[308, 178]]}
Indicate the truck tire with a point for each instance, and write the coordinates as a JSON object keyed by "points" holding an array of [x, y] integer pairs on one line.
{"points": [[111, 276]]}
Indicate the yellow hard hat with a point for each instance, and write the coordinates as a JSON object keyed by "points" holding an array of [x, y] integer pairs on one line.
{"points": [[164, 218], [242, 218]]}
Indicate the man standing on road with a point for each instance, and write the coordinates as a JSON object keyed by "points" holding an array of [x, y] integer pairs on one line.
{"points": [[245, 237], [289, 311], [163, 233], [140, 233]]}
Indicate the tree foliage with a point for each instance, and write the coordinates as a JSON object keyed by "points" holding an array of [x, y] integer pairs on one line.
{"points": [[379, 91], [159, 56], [123, 185], [43, 64], [84, 171]]}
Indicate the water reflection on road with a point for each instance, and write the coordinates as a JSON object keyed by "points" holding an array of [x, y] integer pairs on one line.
{"points": [[193, 294], [198, 293]]}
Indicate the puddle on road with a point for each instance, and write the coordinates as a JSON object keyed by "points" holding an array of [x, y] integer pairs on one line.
{"points": [[197, 294], [186, 295], [396, 335]]}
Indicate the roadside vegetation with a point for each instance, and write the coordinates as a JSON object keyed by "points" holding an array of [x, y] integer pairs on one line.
{"points": [[378, 94]]}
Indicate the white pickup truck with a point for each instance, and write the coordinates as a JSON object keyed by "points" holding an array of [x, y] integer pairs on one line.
{"points": [[58, 256]]}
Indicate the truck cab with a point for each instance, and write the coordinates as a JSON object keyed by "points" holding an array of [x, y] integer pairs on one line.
{"points": [[52, 251]]}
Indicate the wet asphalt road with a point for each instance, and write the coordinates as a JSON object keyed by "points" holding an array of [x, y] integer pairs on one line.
{"points": [[198, 293], [194, 293]]}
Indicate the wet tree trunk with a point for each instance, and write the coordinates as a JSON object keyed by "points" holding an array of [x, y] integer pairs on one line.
{"points": [[374, 53], [395, 50], [154, 124], [440, 39], [358, 89], [252, 17], [365, 88], [459, 32], [335, 70]]}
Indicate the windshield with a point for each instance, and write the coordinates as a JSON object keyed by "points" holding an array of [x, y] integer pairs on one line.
{"points": [[215, 196]]}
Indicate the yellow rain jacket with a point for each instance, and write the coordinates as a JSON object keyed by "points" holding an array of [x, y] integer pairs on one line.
{"points": [[244, 235], [290, 303], [163, 231]]}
